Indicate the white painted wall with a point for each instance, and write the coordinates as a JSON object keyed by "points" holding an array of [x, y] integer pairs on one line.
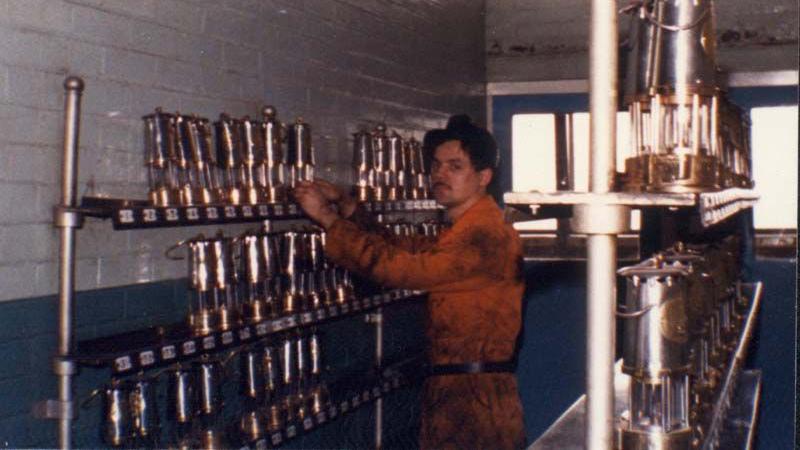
{"points": [[338, 63], [533, 40]]}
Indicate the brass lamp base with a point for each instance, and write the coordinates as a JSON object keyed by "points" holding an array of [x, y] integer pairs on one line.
{"points": [[672, 174]]}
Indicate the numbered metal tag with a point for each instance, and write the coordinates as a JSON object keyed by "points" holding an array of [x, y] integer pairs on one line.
{"points": [[168, 352], [125, 216], [227, 338], [123, 363], [189, 348], [244, 334], [192, 214], [172, 215], [149, 215], [147, 358]]}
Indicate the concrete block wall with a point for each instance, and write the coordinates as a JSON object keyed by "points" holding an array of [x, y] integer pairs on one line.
{"points": [[28, 341], [340, 64], [548, 39]]}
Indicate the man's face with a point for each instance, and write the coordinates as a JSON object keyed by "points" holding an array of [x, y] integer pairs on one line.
{"points": [[453, 177]]}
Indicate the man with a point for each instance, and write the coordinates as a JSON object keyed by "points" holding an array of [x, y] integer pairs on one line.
{"points": [[473, 276]]}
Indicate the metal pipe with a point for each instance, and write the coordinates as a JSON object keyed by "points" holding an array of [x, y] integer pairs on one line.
{"points": [[601, 248], [565, 159], [603, 96], [601, 296], [565, 168], [66, 291], [66, 295], [72, 112], [378, 320]]}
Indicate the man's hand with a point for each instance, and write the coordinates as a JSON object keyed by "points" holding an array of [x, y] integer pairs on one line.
{"points": [[331, 192], [314, 203]]}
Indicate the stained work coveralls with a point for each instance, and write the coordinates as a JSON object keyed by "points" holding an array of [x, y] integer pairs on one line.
{"points": [[472, 271]]}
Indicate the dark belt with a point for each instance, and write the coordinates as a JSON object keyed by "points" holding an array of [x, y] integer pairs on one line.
{"points": [[473, 368]]}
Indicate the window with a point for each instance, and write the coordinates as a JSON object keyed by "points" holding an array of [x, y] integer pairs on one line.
{"points": [[533, 156], [533, 160], [774, 144]]}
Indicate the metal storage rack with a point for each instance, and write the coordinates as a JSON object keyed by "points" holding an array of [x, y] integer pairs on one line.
{"points": [[602, 214], [738, 431], [136, 214], [159, 346], [707, 209], [147, 349], [710, 207]]}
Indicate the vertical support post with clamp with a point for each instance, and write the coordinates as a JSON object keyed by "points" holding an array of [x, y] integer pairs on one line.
{"points": [[377, 319], [601, 223], [67, 218]]}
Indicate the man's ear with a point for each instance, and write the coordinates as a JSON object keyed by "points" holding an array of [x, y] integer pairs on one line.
{"points": [[485, 177]]}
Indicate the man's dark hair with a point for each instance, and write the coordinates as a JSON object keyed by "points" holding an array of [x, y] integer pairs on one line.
{"points": [[478, 143]]}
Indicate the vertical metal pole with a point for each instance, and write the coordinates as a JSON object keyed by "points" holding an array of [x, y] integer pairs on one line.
{"points": [[378, 319], [603, 56], [601, 286], [565, 169], [601, 248], [565, 153], [66, 289]]}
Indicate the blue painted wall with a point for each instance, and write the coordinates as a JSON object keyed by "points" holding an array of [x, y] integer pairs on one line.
{"points": [[552, 358], [28, 340], [551, 365], [774, 351], [551, 368]]}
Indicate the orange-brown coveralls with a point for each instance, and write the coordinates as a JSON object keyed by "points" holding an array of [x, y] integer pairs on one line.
{"points": [[473, 274]]}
